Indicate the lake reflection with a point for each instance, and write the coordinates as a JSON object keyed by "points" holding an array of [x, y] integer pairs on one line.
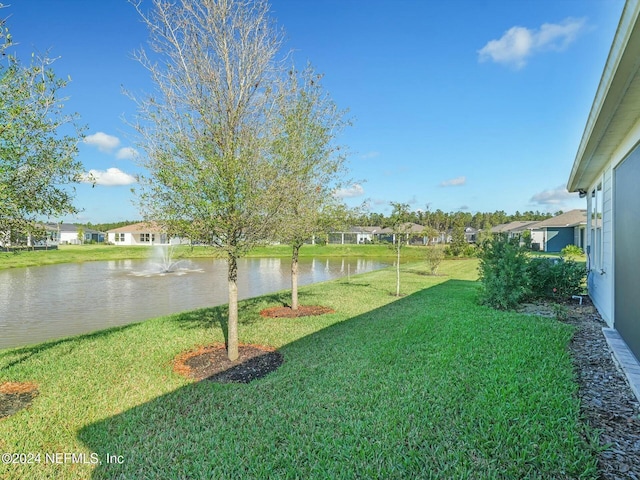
{"points": [[43, 303]]}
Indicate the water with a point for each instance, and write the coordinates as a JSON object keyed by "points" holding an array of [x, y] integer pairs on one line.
{"points": [[44, 303]]}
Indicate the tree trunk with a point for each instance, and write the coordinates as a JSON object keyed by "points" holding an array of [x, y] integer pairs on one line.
{"points": [[294, 277], [398, 271], [232, 326]]}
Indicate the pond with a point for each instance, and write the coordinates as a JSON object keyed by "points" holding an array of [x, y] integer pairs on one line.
{"points": [[49, 302]]}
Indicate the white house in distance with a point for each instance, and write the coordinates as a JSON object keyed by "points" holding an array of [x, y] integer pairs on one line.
{"points": [[142, 233], [606, 171]]}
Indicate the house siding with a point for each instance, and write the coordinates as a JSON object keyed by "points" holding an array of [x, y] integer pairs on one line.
{"points": [[601, 282], [600, 274], [626, 253], [558, 238]]}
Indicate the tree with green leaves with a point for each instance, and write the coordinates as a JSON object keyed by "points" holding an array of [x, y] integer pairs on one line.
{"points": [[305, 127], [37, 160], [400, 226], [458, 238], [206, 129]]}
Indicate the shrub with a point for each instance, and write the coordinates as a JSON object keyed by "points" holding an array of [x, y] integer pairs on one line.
{"points": [[555, 278], [571, 252], [434, 257], [503, 272], [470, 251]]}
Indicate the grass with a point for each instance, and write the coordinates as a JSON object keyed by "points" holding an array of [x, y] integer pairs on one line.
{"points": [[430, 385], [90, 253]]}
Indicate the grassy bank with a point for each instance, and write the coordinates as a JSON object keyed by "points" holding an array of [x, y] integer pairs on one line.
{"points": [[91, 253], [430, 385]]}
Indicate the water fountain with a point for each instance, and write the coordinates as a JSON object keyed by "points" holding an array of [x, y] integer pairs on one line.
{"points": [[163, 258], [162, 262]]}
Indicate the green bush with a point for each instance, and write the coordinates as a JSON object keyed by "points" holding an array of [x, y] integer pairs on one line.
{"points": [[555, 278], [470, 251], [503, 273], [571, 252], [434, 257]]}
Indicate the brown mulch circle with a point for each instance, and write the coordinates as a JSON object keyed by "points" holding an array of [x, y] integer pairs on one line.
{"points": [[607, 402], [302, 311], [14, 396], [211, 363]]}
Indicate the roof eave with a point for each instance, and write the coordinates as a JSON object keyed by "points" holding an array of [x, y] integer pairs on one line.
{"points": [[615, 84]]}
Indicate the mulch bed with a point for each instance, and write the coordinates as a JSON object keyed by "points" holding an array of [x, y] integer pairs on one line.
{"points": [[607, 403], [606, 400], [14, 396], [211, 363], [302, 311]]}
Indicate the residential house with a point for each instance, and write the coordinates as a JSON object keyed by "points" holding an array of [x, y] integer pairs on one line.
{"points": [[355, 235], [142, 233], [71, 234], [414, 234], [513, 229], [555, 233], [471, 234], [606, 171]]}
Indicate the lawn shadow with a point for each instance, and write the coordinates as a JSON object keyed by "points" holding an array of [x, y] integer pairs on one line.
{"points": [[218, 316], [208, 430]]}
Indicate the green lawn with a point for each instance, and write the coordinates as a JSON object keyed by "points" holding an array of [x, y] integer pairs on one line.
{"points": [[89, 253], [430, 385]]}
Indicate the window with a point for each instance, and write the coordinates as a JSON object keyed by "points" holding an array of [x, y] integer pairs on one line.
{"points": [[595, 227], [147, 237], [119, 237]]}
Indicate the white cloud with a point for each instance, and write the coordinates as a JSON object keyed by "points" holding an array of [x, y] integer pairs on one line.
{"points": [[354, 190], [126, 153], [110, 177], [104, 142], [454, 182], [553, 196], [519, 43]]}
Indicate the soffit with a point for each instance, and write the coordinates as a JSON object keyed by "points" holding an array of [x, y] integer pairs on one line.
{"points": [[616, 108]]}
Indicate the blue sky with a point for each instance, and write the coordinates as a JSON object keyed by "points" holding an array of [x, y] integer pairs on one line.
{"points": [[473, 105]]}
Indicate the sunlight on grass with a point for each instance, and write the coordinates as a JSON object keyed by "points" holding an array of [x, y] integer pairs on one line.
{"points": [[430, 385]]}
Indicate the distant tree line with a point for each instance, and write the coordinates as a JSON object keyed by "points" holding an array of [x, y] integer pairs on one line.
{"points": [[103, 227], [445, 221], [437, 219]]}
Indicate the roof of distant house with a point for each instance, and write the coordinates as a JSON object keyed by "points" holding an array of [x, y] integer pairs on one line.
{"points": [[515, 227], [365, 229], [68, 228], [405, 228], [140, 227], [571, 218]]}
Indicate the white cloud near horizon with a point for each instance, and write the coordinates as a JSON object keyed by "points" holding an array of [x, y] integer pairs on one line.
{"points": [[126, 153], [519, 43], [104, 142], [354, 190], [111, 177], [553, 196], [454, 182]]}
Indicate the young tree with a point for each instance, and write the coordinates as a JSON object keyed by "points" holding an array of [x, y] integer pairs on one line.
{"points": [[306, 125], [37, 161], [458, 239], [205, 130], [400, 227]]}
